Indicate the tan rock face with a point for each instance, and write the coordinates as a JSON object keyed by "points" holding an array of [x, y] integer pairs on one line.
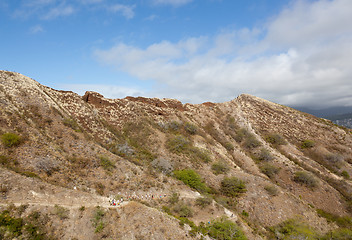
{"points": [[107, 146]]}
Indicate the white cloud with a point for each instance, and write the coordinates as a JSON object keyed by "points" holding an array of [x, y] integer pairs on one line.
{"points": [[58, 11], [125, 10], [44, 9], [151, 17], [175, 3], [91, 1], [302, 58], [36, 29]]}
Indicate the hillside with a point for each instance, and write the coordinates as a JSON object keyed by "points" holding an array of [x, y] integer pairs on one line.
{"points": [[243, 169]]}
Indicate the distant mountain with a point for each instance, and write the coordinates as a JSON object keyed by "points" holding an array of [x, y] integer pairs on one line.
{"points": [[342, 119], [326, 112], [338, 115]]}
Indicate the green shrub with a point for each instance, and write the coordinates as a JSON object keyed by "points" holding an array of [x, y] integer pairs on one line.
{"points": [[232, 186], [106, 163], [269, 170], [305, 178], [10, 140], [192, 179], [203, 201], [224, 229], [307, 144], [219, 168], [275, 139], [272, 190], [294, 229]]}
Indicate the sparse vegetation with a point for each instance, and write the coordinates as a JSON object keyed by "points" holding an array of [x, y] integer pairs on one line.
{"points": [[199, 154], [71, 123], [61, 212], [191, 128], [265, 155], [99, 187], [178, 144], [162, 164], [181, 145], [343, 222], [338, 234], [97, 220], [106, 163], [220, 168], [345, 174], [223, 228], [12, 227], [228, 146], [293, 229], [275, 139], [272, 190], [232, 186], [251, 142], [241, 134], [46, 165], [203, 201], [182, 210], [192, 179], [269, 170], [10, 140], [306, 178]]}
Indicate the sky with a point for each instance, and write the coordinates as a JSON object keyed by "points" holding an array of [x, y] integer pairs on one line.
{"points": [[292, 52]]}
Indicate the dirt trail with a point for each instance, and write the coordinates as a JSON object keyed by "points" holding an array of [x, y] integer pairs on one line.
{"points": [[69, 206]]}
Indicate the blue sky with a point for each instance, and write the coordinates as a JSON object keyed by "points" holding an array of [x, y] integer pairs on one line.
{"points": [[294, 52]]}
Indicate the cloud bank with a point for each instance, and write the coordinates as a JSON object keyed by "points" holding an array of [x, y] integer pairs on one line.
{"points": [[302, 56], [52, 9]]}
